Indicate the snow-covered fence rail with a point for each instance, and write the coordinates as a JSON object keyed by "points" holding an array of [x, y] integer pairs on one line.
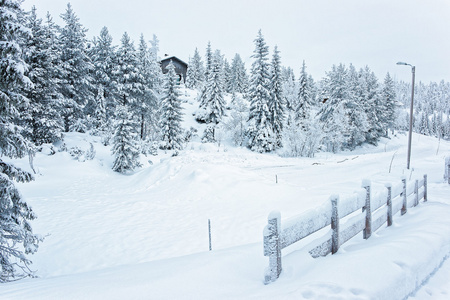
{"points": [[377, 209]]}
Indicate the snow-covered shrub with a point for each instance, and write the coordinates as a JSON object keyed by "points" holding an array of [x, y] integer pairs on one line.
{"points": [[189, 134], [77, 153], [208, 134], [90, 153], [78, 126]]}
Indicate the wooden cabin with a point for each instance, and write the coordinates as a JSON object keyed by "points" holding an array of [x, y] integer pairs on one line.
{"points": [[180, 66]]}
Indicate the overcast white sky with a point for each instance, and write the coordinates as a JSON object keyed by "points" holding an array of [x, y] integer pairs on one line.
{"points": [[321, 32]]}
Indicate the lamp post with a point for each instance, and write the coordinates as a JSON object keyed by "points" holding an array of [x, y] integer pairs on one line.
{"points": [[413, 70]]}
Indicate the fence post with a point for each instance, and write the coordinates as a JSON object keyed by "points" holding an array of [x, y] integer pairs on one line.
{"points": [[425, 188], [404, 209], [447, 169], [368, 229], [334, 224], [389, 204], [272, 247], [209, 233], [416, 193]]}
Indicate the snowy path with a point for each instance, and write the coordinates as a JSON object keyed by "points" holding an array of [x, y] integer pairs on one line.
{"points": [[145, 235]]}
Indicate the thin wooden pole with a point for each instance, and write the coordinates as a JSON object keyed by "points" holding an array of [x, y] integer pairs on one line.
{"points": [[416, 193], [425, 188], [209, 232]]}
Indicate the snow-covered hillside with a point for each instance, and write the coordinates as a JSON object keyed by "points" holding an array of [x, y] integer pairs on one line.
{"points": [[145, 235]]}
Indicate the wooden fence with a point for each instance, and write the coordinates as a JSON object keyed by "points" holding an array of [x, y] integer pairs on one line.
{"points": [[377, 210]]}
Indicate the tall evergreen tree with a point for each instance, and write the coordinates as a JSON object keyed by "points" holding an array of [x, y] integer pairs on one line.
{"points": [[212, 103], [125, 141], [239, 78], [171, 112], [260, 131], [276, 102], [76, 86], [43, 119], [304, 97], [388, 97], [373, 105], [103, 58], [332, 113], [15, 214], [129, 80], [196, 72]]}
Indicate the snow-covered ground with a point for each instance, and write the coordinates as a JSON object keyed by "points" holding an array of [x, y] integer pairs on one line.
{"points": [[145, 235]]}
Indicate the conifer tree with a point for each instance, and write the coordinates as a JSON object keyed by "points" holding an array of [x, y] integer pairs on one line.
{"points": [[125, 141], [303, 106], [129, 80], [196, 73], [42, 118], [212, 103], [239, 79], [76, 86], [388, 97], [332, 113], [260, 131], [15, 230], [103, 59], [171, 112], [276, 102]]}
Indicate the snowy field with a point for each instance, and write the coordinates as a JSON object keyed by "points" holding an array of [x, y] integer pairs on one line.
{"points": [[145, 235]]}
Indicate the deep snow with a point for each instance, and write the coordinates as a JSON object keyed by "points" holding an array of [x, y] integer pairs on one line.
{"points": [[145, 235]]}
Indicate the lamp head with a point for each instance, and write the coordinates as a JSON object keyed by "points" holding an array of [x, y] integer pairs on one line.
{"points": [[402, 63]]}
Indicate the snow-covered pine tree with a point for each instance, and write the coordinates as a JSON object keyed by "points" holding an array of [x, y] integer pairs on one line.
{"points": [[42, 118], [372, 105], [388, 98], [355, 111], [16, 235], [239, 78], [227, 86], [276, 102], [332, 113], [149, 98], [171, 112], [196, 72], [209, 59], [303, 107], [125, 141], [102, 55], [212, 105], [129, 80], [76, 86], [260, 131]]}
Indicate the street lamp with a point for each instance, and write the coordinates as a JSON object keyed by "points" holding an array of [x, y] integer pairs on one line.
{"points": [[413, 70]]}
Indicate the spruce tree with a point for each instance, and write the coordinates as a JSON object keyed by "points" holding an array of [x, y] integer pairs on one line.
{"points": [[303, 106], [171, 112], [260, 131], [239, 79], [332, 113], [196, 73], [354, 109], [125, 141], [276, 102], [16, 234], [103, 58], [76, 86], [42, 119], [388, 97], [212, 103]]}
